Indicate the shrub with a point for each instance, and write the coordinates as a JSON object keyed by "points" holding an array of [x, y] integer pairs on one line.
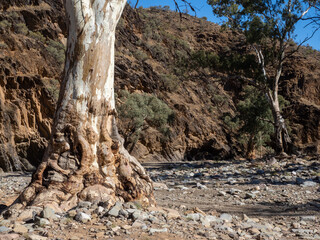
{"points": [[53, 86], [13, 15], [170, 82], [205, 59], [140, 110], [56, 50], [140, 55], [158, 52], [38, 36], [4, 24], [21, 28]]}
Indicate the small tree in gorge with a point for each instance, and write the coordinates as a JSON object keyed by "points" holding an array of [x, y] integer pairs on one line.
{"points": [[268, 26]]}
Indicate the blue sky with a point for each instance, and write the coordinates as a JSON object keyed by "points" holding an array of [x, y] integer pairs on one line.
{"points": [[204, 10]]}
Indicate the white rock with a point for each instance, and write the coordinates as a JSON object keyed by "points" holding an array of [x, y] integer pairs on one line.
{"points": [[226, 217], [83, 217], [154, 230]]}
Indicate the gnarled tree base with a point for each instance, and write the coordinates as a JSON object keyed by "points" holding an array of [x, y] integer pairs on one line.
{"points": [[73, 174]]}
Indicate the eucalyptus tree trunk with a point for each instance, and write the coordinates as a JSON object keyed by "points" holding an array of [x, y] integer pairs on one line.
{"points": [[282, 138], [85, 158]]}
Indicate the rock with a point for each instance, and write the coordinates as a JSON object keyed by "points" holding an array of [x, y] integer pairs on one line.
{"points": [[4, 229], [114, 211], [84, 204], [172, 214], [154, 230], [124, 213], [139, 215], [181, 187], [226, 217], [222, 193], [296, 225], [154, 210], [159, 186], [42, 222], [10, 236], [29, 213], [99, 210], [194, 216], [139, 224], [115, 229], [309, 184], [254, 231], [308, 218], [234, 191], [126, 227], [302, 231], [83, 217], [207, 220], [48, 213], [6, 223], [72, 213], [36, 237], [129, 205], [18, 228], [250, 196], [200, 186], [100, 234]]}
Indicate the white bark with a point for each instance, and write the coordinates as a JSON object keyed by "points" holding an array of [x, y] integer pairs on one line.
{"points": [[85, 158]]}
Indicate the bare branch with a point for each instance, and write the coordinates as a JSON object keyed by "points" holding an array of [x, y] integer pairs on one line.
{"points": [[135, 6], [288, 55]]}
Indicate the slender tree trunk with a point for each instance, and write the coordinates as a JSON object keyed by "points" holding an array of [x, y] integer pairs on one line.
{"points": [[250, 153], [282, 138], [85, 159]]}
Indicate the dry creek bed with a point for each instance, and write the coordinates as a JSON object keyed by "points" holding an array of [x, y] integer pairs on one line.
{"points": [[270, 199]]}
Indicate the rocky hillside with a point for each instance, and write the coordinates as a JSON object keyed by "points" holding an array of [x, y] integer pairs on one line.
{"points": [[157, 68]]}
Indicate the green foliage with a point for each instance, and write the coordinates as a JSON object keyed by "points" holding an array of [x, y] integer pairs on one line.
{"points": [[38, 36], [141, 110], [13, 15], [255, 114], [231, 122], [231, 62], [205, 59], [53, 86], [21, 28], [158, 52], [152, 28], [140, 55], [266, 23], [56, 50], [170, 82], [4, 24]]}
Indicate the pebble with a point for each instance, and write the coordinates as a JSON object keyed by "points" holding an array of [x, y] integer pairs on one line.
{"points": [[226, 217], [194, 216], [18, 228], [309, 184], [42, 222], [139, 224], [4, 229], [154, 230], [83, 217], [84, 204], [48, 213], [114, 211]]}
